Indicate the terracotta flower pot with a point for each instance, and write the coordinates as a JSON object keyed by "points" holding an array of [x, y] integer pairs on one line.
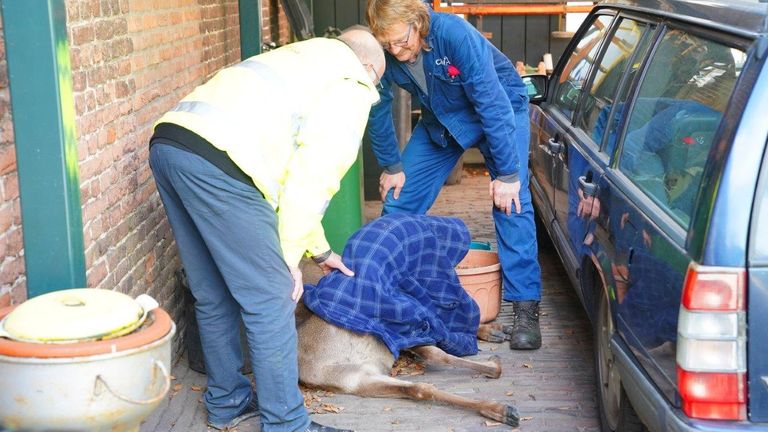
{"points": [[480, 275]]}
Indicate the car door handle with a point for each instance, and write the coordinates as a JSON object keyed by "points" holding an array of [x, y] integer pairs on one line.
{"points": [[555, 146], [586, 186]]}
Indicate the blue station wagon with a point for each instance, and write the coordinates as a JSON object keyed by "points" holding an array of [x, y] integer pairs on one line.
{"points": [[649, 172]]}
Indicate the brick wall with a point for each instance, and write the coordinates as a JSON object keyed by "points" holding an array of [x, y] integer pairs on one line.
{"points": [[13, 286], [274, 23], [132, 60]]}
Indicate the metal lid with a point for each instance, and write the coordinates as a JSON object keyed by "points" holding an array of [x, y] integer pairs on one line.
{"points": [[75, 315]]}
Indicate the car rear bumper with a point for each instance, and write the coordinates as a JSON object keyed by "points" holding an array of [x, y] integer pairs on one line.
{"points": [[655, 410]]}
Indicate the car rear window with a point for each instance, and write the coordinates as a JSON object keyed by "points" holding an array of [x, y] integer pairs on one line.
{"points": [[674, 118]]}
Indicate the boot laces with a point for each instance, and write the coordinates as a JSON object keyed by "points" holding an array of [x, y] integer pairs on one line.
{"points": [[525, 316]]}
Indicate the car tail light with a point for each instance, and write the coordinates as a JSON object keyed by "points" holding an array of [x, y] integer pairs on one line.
{"points": [[711, 350]]}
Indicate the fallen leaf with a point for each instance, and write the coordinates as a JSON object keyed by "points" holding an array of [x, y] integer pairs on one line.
{"points": [[527, 418], [407, 364], [313, 401], [528, 365], [532, 397], [196, 388], [387, 409], [490, 423], [175, 390], [330, 408], [509, 393]]}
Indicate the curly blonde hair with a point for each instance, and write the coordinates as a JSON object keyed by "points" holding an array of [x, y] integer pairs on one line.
{"points": [[383, 14]]}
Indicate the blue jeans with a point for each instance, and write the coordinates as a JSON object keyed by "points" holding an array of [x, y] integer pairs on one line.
{"points": [[426, 167], [227, 238]]}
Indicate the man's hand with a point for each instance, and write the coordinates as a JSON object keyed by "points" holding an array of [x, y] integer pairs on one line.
{"points": [[389, 181], [298, 284], [504, 194], [334, 262]]}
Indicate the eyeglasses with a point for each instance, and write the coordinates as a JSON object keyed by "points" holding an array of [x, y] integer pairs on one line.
{"points": [[379, 85], [402, 43]]}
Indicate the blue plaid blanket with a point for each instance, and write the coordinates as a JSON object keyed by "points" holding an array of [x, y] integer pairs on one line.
{"points": [[405, 289]]}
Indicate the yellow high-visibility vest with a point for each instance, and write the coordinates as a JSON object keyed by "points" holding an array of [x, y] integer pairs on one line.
{"points": [[292, 119]]}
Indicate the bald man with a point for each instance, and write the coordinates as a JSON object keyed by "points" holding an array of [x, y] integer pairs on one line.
{"points": [[245, 166]]}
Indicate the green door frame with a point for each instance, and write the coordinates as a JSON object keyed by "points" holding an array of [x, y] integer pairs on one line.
{"points": [[42, 104], [250, 28]]}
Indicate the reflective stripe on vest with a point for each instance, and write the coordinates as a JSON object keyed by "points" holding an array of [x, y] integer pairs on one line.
{"points": [[204, 109], [268, 74]]}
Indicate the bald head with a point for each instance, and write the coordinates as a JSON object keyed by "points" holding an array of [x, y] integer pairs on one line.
{"points": [[365, 47]]}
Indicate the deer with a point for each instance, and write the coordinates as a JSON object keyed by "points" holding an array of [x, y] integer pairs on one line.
{"points": [[337, 359]]}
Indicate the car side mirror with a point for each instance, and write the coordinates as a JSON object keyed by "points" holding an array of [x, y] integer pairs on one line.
{"points": [[536, 86]]}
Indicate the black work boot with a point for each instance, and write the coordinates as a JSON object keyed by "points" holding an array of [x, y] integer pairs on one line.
{"points": [[525, 333], [315, 427]]}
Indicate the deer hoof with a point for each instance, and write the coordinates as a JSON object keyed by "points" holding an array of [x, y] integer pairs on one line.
{"points": [[497, 336], [508, 329], [511, 416], [496, 370]]}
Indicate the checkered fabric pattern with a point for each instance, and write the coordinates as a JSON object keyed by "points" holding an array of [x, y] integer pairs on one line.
{"points": [[405, 289]]}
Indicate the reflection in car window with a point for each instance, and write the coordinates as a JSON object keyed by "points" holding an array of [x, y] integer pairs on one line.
{"points": [[575, 72], [598, 101], [674, 119], [613, 125]]}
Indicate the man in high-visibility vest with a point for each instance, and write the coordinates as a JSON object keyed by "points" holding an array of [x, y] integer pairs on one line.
{"points": [[245, 166]]}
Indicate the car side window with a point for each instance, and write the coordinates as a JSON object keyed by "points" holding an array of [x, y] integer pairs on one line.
{"points": [[602, 92], [614, 123], [672, 122], [576, 71]]}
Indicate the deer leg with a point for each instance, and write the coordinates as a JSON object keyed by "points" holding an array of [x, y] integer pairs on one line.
{"points": [[495, 332], [434, 355], [385, 386]]}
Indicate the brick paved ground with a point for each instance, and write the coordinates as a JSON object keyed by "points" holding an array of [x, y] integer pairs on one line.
{"points": [[553, 387]]}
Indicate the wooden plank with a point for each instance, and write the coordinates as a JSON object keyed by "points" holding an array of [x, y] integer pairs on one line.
{"points": [[514, 9], [557, 45]]}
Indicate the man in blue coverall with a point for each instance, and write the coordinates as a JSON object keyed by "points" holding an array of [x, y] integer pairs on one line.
{"points": [[470, 95]]}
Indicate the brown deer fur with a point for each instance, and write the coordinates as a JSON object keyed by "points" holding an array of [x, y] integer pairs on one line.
{"points": [[339, 360]]}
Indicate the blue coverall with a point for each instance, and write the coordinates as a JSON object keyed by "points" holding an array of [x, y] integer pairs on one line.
{"points": [[475, 98]]}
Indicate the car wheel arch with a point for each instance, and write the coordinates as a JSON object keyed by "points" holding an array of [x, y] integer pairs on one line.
{"points": [[616, 411]]}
